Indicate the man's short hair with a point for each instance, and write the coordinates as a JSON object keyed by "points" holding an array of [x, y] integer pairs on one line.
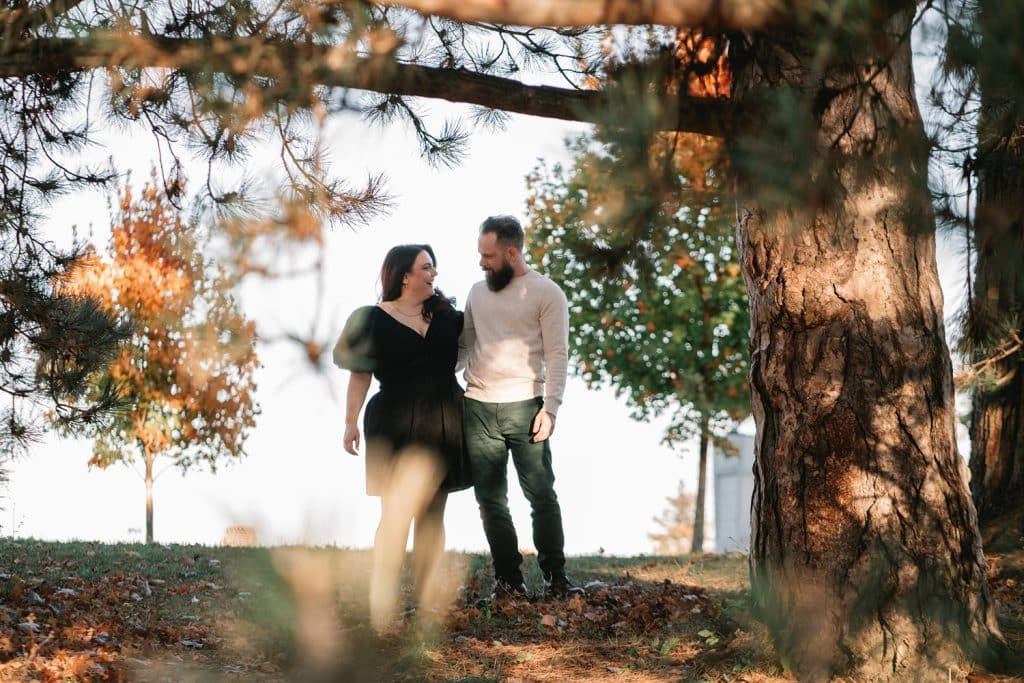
{"points": [[506, 229]]}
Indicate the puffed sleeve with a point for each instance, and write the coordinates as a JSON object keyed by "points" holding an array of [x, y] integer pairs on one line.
{"points": [[354, 350]]}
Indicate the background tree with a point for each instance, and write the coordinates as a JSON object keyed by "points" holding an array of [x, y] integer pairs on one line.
{"points": [[50, 341], [982, 93], [858, 476], [997, 310], [50, 111], [676, 524], [665, 325], [186, 376]]}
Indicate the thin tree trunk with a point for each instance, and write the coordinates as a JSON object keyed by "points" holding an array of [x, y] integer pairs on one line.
{"points": [[997, 450], [702, 476], [866, 560], [149, 499], [997, 424]]}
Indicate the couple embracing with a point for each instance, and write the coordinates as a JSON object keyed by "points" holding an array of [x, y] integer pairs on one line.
{"points": [[424, 438]]}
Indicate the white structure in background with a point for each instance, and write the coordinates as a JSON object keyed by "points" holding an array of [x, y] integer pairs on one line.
{"points": [[734, 488]]}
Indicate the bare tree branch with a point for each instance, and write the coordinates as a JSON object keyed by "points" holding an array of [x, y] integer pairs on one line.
{"points": [[720, 14], [710, 15], [251, 57]]}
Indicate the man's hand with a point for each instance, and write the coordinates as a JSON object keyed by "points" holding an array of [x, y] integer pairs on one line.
{"points": [[543, 427], [351, 439]]}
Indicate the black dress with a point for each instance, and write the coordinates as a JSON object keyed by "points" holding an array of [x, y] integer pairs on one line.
{"points": [[419, 402]]}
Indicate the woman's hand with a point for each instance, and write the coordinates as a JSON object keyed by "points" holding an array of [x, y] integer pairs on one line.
{"points": [[351, 440], [358, 385]]}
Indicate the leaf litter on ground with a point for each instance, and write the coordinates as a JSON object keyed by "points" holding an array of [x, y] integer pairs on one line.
{"points": [[96, 612]]}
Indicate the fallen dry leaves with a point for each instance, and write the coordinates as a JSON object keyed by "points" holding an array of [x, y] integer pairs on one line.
{"points": [[72, 628], [183, 616]]}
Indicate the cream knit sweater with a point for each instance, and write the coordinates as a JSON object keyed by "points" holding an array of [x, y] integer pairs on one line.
{"points": [[515, 342]]}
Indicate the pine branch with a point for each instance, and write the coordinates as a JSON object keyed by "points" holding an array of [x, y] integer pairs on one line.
{"points": [[973, 372], [251, 57]]}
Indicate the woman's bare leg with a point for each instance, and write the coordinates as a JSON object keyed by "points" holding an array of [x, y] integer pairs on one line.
{"points": [[414, 479], [428, 552]]}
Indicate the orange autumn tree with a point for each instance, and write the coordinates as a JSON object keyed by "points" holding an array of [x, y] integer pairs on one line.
{"points": [[186, 376]]}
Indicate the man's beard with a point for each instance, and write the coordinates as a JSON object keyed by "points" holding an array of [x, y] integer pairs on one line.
{"points": [[497, 280]]}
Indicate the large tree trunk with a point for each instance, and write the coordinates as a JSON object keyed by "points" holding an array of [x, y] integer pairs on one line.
{"points": [[702, 477], [997, 424], [866, 560]]}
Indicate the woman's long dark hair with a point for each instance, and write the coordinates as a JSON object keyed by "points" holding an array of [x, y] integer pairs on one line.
{"points": [[398, 262]]}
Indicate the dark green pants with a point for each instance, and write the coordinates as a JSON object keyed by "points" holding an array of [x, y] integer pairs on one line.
{"points": [[492, 431]]}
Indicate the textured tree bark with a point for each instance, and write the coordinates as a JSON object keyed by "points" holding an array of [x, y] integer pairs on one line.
{"points": [[997, 423], [997, 450], [866, 561], [702, 484]]}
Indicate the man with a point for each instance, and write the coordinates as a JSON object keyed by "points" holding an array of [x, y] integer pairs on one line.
{"points": [[515, 339]]}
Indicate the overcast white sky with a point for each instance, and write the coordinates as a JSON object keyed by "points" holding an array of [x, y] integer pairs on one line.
{"points": [[297, 484]]}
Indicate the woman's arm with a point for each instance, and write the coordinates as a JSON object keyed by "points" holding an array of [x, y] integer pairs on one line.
{"points": [[358, 386]]}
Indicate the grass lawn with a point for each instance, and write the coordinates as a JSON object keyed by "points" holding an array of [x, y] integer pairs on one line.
{"points": [[91, 611]]}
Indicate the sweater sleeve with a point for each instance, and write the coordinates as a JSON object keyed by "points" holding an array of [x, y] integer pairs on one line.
{"points": [[554, 330], [467, 336]]}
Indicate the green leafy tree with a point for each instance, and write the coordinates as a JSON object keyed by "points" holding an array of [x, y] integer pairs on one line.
{"points": [[667, 324], [186, 377]]}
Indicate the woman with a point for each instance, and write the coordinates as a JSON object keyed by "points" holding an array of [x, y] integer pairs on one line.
{"points": [[413, 425]]}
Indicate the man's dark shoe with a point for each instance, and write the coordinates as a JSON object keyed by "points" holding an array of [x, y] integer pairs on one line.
{"points": [[559, 587], [509, 591]]}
